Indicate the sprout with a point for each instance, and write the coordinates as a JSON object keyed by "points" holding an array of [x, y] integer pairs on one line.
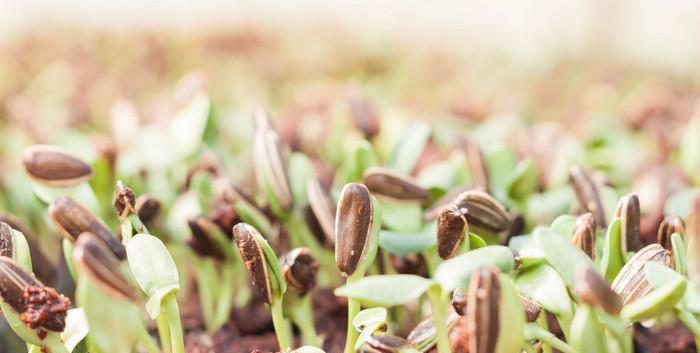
{"points": [[53, 166], [386, 183], [584, 234], [592, 288], [299, 270], [630, 283], [587, 194], [95, 259], [265, 274], [353, 225], [630, 217], [451, 231], [670, 225], [72, 220], [484, 212], [322, 208], [124, 201], [271, 170]]}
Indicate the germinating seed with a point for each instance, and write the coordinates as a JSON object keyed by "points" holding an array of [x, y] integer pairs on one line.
{"points": [[353, 224], [53, 166], [94, 258], [584, 234], [670, 225]]}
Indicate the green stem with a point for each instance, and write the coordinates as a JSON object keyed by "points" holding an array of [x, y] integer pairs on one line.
{"points": [[172, 313], [53, 344], [67, 247], [164, 333], [690, 322], [352, 334], [542, 322], [280, 324], [303, 317], [534, 332], [438, 307], [137, 224], [206, 274], [224, 300], [147, 340], [34, 349]]}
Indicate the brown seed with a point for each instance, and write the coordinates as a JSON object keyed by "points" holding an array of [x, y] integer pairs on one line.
{"points": [[452, 227], [630, 222], [532, 309], [584, 235], [353, 224], [299, 270], [459, 301], [594, 290], [201, 241], [387, 343], [483, 315], [423, 336], [483, 211], [409, 264], [271, 169], [53, 166], [7, 242], [391, 185], [630, 283], [432, 212], [671, 224], [363, 116], [323, 208], [95, 259], [147, 208], [44, 269], [37, 305], [587, 194], [477, 164], [72, 219], [124, 201], [254, 259]]}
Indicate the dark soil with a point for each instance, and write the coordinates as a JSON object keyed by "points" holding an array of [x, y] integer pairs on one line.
{"points": [[251, 328], [673, 338]]}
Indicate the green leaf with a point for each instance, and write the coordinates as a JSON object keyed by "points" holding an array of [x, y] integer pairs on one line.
{"points": [[107, 315], [586, 333], [403, 243], [563, 256], [523, 181], [401, 217], [679, 252], [386, 290], [21, 250], [659, 275], [476, 242], [367, 322], [371, 251], [680, 203], [657, 302], [613, 254], [545, 207], [564, 225], [456, 272], [512, 317], [409, 147], [301, 169], [500, 163], [76, 329], [689, 149], [360, 157], [544, 286], [278, 285], [187, 126], [153, 268], [252, 215]]}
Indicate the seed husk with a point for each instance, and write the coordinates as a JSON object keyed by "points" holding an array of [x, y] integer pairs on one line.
{"points": [[388, 184], [587, 194], [432, 212], [201, 241], [452, 227], [37, 305], [483, 211], [94, 258], [423, 336], [483, 301], [409, 264], [532, 309], [72, 219], [7, 243], [387, 343], [147, 208], [51, 165], [271, 169], [299, 270], [459, 301], [671, 224], [323, 208], [630, 222], [124, 201], [584, 234], [477, 164], [594, 290], [254, 259], [44, 269], [363, 116], [630, 283], [353, 224]]}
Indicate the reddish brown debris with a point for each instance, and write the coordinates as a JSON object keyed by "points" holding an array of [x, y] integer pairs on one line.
{"points": [[44, 307]]}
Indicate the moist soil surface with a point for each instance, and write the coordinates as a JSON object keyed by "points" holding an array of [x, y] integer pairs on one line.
{"points": [[251, 331]]}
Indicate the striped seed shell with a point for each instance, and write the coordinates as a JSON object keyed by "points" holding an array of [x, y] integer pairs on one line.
{"points": [[95, 259], [299, 270], [271, 168], [587, 194], [630, 214], [630, 283], [353, 224], [452, 227], [322, 207], [594, 290], [389, 184], [53, 166], [484, 211], [584, 234], [254, 259], [483, 316], [670, 224]]}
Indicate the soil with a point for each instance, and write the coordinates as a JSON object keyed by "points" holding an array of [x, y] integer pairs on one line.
{"points": [[250, 330]]}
